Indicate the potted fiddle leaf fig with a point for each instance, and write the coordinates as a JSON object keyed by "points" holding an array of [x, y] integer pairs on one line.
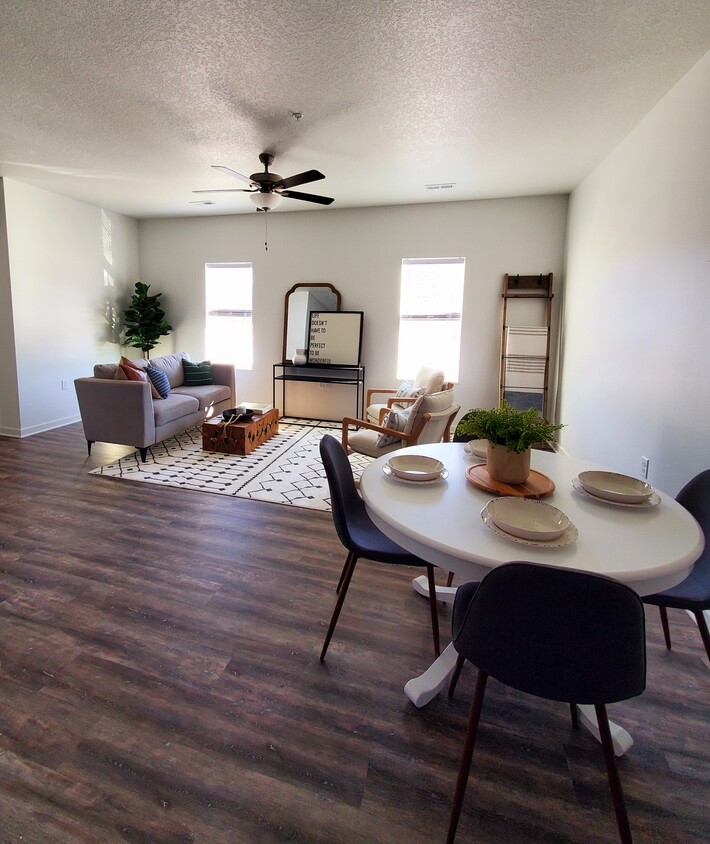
{"points": [[510, 435], [144, 320]]}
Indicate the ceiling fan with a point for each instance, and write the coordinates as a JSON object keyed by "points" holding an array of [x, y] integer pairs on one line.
{"points": [[267, 189]]}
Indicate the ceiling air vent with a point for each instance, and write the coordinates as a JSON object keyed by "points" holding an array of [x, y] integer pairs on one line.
{"points": [[201, 202], [441, 186]]}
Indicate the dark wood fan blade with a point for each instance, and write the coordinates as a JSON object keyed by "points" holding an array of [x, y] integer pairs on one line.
{"points": [[300, 179], [309, 197], [225, 190], [230, 172]]}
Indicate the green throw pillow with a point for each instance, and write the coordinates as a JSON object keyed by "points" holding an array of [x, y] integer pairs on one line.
{"points": [[197, 374]]}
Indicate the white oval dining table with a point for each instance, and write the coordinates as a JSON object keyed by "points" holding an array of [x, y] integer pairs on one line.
{"points": [[650, 548]]}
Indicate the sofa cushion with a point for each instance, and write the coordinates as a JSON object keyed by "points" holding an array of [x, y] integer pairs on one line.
{"points": [[159, 380], [197, 374], [208, 395], [171, 365], [173, 407]]}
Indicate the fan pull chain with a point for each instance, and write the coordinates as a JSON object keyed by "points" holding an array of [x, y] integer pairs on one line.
{"points": [[266, 231]]}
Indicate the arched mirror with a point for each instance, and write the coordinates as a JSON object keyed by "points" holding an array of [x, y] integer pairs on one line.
{"points": [[301, 299]]}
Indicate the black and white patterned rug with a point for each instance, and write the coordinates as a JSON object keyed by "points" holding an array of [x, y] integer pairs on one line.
{"points": [[286, 469]]}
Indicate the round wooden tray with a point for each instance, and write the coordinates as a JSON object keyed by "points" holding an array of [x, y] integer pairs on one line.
{"points": [[536, 486]]}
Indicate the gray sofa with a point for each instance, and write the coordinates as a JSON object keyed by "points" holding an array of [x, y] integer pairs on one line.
{"points": [[124, 412]]}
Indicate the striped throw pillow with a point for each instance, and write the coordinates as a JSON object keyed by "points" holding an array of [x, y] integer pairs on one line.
{"points": [[396, 420], [197, 374], [159, 380]]}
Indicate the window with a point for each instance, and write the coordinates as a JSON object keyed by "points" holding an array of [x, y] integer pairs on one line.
{"points": [[430, 306], [228, 322]]}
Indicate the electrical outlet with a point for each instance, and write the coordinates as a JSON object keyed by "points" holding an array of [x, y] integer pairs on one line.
{"points": [[65, 384], [644, 467]]}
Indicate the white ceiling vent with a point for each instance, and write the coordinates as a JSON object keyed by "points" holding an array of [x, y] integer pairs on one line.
{"points": [[441, 186]]}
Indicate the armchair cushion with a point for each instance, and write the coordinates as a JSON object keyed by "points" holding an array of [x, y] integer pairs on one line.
{"points": [[431, 403], [364, 441], [431, 379]]}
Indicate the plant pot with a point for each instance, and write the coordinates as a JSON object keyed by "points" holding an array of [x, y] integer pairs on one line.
{"points": [[507, 467], [299, 358]]}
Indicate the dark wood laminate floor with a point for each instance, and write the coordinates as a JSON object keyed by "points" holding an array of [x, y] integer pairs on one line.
{"points": [[160, 682]]}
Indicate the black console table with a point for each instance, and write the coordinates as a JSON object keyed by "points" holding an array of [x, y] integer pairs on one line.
{"points": [[352, 375]]}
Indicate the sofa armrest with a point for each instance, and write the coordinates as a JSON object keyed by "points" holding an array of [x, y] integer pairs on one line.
{"points": [[116, 411], [223, 373]]}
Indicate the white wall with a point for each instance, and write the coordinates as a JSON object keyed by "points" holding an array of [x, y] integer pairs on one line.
{"points": [[9, 396], [636, 373], [70, 264], [360, 252]]}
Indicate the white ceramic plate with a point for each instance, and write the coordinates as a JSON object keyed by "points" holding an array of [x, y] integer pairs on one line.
{"points": [[387, 469], [415, 467], [615, 487], [527, 518], [477, 448], [566, 538], [653, 499]]}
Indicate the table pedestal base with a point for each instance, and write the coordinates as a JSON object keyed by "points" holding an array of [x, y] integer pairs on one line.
{"points": [[423, 689]]}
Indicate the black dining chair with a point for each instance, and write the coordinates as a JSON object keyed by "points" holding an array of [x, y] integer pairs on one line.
{"points": [[693, 593], [360, 536], [558, 634]]}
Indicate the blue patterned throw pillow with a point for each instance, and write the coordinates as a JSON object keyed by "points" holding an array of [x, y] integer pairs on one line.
{"points": [[159, 380]]}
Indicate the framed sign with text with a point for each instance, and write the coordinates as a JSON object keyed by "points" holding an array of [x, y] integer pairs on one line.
{"points": [[334, 338]]}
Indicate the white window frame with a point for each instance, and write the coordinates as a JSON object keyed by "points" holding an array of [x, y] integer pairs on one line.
{"points": [[446, 352], [240, 352]]}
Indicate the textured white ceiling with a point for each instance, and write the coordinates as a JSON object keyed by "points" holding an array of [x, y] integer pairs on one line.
{"points": [[127, 103]]}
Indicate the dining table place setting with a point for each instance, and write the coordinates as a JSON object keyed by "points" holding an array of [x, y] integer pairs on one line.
{"points": [[415, 469], [528, 521], [615, 489]]}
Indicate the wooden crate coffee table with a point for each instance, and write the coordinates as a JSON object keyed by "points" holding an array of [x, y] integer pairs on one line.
{"points": [[239, 437]]}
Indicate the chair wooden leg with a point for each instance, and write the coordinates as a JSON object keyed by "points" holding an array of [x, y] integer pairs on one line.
{"points": [[617, 795], [89, 443], [664, 624], [144, 454], [457, 673], [575, 715], [434, 610], [345, 568], [703, 627], [465, 766], [338, 605]]}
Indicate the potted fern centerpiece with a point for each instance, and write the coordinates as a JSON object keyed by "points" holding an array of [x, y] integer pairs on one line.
{"points": [[510, 434]]}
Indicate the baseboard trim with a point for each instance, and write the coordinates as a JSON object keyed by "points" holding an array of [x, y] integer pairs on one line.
{"points": [[21, 433]]}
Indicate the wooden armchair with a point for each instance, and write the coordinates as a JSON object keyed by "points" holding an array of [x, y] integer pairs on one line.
{"points": [[427, 381], [426, 422], [377, 411]]}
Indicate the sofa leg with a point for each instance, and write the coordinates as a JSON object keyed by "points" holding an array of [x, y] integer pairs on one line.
{"points": [[89, 443], [144, 453]]}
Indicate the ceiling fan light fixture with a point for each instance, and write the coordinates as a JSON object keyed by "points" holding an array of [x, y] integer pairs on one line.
{"points": [[266, 201]]}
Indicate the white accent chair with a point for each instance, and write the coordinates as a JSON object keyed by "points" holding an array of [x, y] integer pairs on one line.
{"points": [[427, 381], [428, 419]]}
